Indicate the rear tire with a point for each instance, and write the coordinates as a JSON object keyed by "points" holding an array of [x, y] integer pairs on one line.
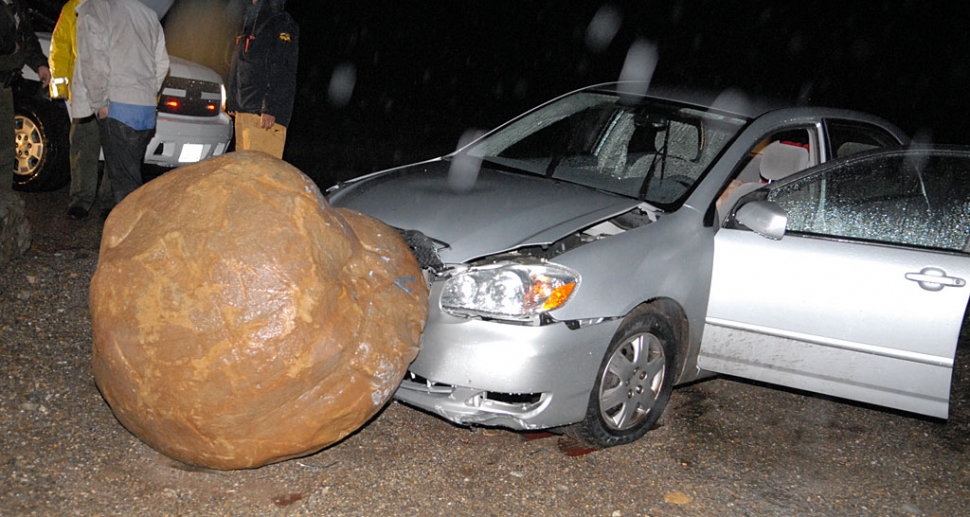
{"points": [[633, 383], [41, 128]]}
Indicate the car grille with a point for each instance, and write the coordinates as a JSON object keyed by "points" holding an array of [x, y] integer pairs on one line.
{"points": [[416, 382], [190, 97]]}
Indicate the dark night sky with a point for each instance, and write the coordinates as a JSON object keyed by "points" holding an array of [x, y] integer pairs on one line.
{"points": [[426, 71]]}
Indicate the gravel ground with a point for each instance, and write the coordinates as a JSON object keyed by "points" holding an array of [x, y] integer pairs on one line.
{"points": [[725, 447]]}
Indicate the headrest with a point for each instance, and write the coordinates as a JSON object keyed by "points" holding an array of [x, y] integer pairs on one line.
{"points": [[851, 148], [779, 160]]}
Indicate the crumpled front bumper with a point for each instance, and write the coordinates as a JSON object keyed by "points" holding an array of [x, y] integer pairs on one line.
{"points": [[491, 373]]}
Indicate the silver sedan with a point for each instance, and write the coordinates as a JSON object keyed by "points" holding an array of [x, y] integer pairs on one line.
{"points": [[592, 253]]}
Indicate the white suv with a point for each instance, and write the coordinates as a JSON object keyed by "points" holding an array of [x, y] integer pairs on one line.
{"points": [[191, 124]]}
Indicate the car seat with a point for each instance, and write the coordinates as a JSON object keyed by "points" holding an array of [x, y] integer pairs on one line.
{"points": [[777, 160]]}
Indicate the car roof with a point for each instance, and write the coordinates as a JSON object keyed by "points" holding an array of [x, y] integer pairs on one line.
{"points": [[917, 149], [731, 101], [735, 102]]}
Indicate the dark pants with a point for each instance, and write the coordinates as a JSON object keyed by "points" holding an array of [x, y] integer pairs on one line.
{"points": [[85, 142], [124, 150]]}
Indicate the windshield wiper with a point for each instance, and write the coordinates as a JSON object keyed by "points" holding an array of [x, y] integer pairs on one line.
{"points": [[553, 163], [662, 155], [504, 167]]}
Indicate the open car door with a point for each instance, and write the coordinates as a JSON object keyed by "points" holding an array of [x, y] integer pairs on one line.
{"points": [[863, 295]]}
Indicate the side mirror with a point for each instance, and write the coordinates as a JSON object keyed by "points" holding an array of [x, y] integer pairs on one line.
{"points": [[765, 218]]}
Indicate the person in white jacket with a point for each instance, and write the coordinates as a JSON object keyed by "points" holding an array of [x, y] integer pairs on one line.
{"points": [[121, 64]]}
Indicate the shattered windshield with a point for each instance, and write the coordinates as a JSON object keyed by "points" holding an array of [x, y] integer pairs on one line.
{"points": [[652, 150]]}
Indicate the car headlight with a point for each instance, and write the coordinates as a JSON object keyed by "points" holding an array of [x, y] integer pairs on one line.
{"points": [[510, 291]]}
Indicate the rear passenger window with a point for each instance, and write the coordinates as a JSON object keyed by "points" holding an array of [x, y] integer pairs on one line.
{"points": [[847, 138]]}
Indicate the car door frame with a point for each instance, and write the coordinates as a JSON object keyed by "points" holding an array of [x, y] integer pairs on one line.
{"points": [[743, 337]]}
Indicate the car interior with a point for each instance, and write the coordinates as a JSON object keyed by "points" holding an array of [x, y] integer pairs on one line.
{"points": [[772, 160]]}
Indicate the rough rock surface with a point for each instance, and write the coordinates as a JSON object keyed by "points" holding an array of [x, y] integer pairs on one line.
{"points": [[14, 229], [238, 320]]}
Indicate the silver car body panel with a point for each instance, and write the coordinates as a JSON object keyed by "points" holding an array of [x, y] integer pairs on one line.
{"points": [[507, 210], [669, 259], [883, 339], [837, 307], [686, 262], [468, 358]]}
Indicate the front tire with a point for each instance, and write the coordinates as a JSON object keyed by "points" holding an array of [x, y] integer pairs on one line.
{"points": [[41, 129], [633, 383]]}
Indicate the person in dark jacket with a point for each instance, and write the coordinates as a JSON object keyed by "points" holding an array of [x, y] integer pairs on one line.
{"points": [[262, 77], [18, 46]]}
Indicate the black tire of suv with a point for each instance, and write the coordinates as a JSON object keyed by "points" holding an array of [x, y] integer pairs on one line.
{"points": [[46, 124]]}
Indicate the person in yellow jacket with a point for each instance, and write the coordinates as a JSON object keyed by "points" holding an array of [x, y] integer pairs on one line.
{"points": [[84, 138]]}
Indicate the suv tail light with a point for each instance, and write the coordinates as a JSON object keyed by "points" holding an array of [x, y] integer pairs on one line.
{"points": [[191, 97]]}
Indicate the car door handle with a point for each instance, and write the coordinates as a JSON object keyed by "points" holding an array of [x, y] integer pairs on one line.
{"points": [[935, 279]]}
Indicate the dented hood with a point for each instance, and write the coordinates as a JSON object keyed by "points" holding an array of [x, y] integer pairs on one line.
{"points": [[501, 212]]}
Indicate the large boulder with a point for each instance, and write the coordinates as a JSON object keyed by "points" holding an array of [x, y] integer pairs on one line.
{"points": [[14, 228], [239, 320]]}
